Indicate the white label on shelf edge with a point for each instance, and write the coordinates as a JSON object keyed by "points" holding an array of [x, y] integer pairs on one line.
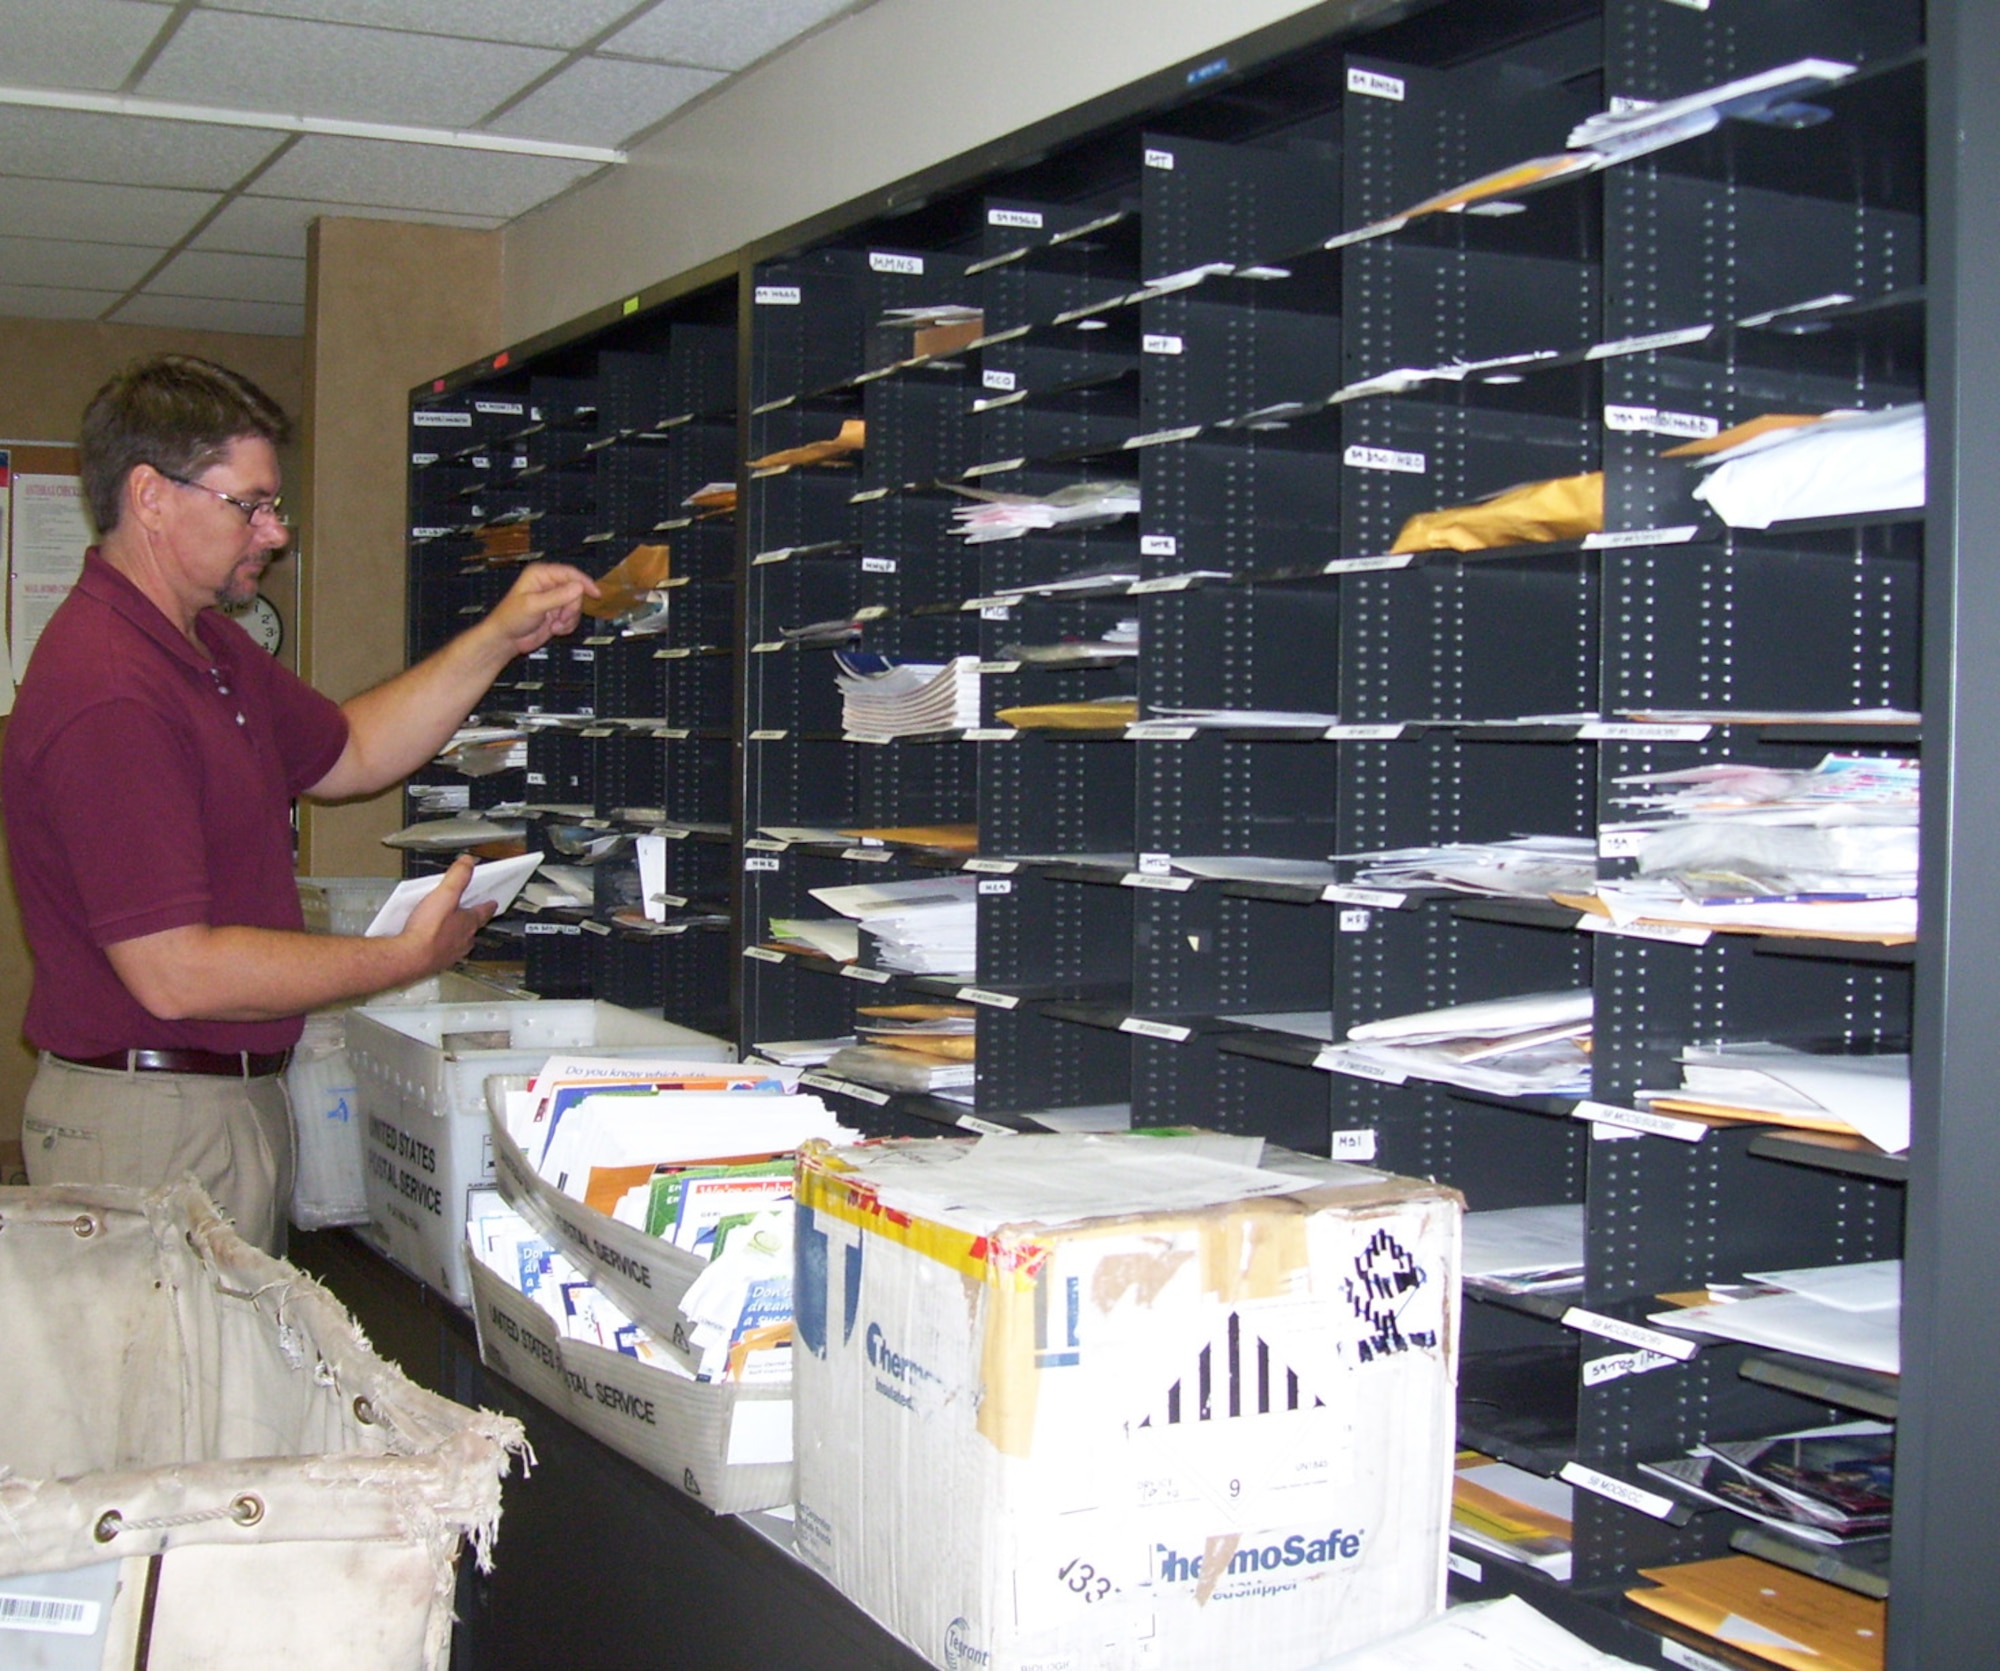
{"points": [[1160, 343], [1377, 899], [1157, 864], [1637, 1119], [1679, 1653], [992, 1000], [1363, 733], [1599, 1371], [1159, 159], [1628, 1334], [1603, 1485], [778, 555], [1334, 1059], [991, 734], [1374, 84], [878, 565], [1385, 458], [991, 867], [998, 468], [998, 667], [883, 261], [1624, 538], [1145, 1029], [874, 977], [1152, 731], [1650, 420], [1166, 884], [1636, 731], [757, 862], [764, 954], [1159, 545], [844, 1088], [778, 296], [1030, 218], [1462, 1566], [1005, 380], [1621, 841], [985, 1128], [874, 612], [996, 611], [1357, 1143], [763, 649], [1161, 583], [441, 420], [867, 855], [1162, 437], [1641, 345], [996, 884], [1355, 922], [1671, 934], [769, 736]]}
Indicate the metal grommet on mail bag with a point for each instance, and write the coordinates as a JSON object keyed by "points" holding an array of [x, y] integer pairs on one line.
{"points": [[246, 1510], [364, 1412], [85, 1226], [109, 1524]]}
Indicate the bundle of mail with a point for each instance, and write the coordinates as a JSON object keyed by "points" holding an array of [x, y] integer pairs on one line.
{"points": [[1825, 1484], [1732, 845], [881, 697], [1522, 867], [917, 1048], [1844, 1314], [1120, 643], [481, 750], [695, 1155], [1785, 468], [1007, 516], [1774, 1084], [926, 927], [1535, 1045]]}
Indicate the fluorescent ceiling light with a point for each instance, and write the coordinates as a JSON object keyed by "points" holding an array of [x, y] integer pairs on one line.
{"points": [[162, 110]]}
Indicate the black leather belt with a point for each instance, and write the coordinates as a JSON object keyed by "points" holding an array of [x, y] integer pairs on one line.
{"points": [[226, 1065]]}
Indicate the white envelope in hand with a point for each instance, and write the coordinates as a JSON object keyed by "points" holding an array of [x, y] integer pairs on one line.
{"points": [[498, 881]]}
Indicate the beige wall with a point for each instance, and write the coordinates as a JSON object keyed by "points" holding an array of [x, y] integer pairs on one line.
{"points": [[48, 371], [895, 88], [389, 303]]}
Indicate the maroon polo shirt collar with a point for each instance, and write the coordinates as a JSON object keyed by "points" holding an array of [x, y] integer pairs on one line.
{"points": [[104, 581]]}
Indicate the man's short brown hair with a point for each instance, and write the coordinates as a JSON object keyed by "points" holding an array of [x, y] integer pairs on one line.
{"points": [[174, 412]]}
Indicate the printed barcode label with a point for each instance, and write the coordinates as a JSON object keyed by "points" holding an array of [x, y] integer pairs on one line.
{"points": [[1646, 1502], [991, 1000], [1637, 1119], [1167, 1030], [1623, 538], [1378, 899], [882, 261], [1004, 380], [1384, 458], [1030, 218], [1628, 1334], [1358, 1144], [53, 1615], [778, 296], [1153, 343], [1159, 545], [1373, 84], [1159, 159]]}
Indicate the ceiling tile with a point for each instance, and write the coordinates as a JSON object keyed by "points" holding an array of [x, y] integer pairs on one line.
{"points": [[721, 34], [60, 261], [371, 172], [525, 22], [236, 278], [263, 319], [103, 214], [77, 43], [125, 150], [277, 225], [325, 69], [601, 101], [28, 301]]}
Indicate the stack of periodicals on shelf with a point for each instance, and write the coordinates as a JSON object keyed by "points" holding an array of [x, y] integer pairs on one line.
{"points": [[1774, 1084], [1502, 1510], [1844, 1314], [1008, 516], [1537, 1044], [1524, 1250], [881, 698], [1828, 852], [1522, 867], [926, 927], [1826, 1484]]}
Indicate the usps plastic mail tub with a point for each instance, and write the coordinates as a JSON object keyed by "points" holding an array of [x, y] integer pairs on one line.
{"points": [[203, 1464], [727, 1446], [329, 1183], [420, 1075], [1091, 1411]]}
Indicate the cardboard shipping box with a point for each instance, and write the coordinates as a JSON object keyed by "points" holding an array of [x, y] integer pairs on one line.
{"points": [[1107, 1402]]}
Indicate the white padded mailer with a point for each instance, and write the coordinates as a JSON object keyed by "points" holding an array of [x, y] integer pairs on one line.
{"points": [[203, 1463]]}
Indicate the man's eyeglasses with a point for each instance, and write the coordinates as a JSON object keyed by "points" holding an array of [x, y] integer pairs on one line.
{"points": [[251, 508]]}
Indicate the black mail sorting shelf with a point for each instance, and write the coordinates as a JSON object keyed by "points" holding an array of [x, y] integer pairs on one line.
{"points": [[1085, 568]]}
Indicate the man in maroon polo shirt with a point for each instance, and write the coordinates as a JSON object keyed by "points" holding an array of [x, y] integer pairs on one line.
{"points": [[149, 769]]}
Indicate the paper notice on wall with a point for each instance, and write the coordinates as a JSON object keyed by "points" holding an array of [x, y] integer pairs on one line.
{"points": [[50, 534]]}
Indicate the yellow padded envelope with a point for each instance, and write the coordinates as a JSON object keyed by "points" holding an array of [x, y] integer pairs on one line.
{"points": [[1757, 1607], [1565, 508]]}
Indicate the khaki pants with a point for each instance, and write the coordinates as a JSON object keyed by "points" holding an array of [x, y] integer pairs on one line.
{"points": [[103, 1126]]}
